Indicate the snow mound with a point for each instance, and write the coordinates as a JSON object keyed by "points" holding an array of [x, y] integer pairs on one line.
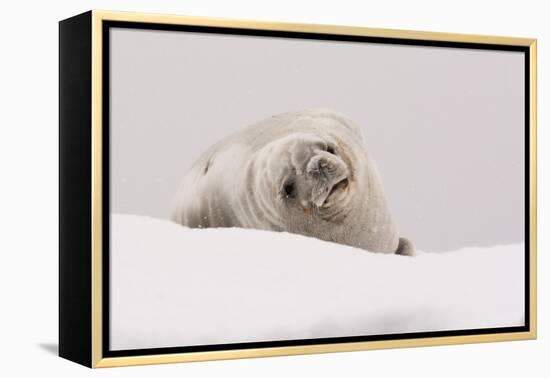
{"points": [[175, 286]]}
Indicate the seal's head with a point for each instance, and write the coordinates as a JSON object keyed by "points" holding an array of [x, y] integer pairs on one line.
{"points": [[307, 176]]}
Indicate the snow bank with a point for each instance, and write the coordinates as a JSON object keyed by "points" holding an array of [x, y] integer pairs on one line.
{"points": [[174, 286]]}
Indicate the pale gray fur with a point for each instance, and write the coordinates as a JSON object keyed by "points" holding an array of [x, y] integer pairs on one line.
{"points": [[304, 172]]}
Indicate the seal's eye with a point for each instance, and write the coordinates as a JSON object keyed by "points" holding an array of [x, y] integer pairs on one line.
{"points": [[289, 190], [331, 150]]}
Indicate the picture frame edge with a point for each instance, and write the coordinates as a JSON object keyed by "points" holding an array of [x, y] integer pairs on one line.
{"points": [[97, 19]]}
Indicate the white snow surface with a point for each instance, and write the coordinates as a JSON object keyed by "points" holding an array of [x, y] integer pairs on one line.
{"points": [[175, 286]]}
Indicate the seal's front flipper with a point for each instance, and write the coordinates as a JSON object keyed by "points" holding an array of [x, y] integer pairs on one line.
{"points": [[405, 247]]}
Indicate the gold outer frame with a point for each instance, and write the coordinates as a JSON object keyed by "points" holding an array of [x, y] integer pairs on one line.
{"points": [[97, 254]]}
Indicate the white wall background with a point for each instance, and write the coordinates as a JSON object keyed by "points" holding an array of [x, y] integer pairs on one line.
{"points": [[28, 200]]}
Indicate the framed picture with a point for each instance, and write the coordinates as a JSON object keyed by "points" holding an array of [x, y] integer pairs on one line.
{"points": [[236, 189]]}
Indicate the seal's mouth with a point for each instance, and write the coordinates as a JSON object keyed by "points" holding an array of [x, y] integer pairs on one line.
{"points": [[338, 187], [330, 193]]}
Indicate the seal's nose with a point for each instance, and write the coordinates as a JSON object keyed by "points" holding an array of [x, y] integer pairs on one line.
{"points": [[322, 164]]}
